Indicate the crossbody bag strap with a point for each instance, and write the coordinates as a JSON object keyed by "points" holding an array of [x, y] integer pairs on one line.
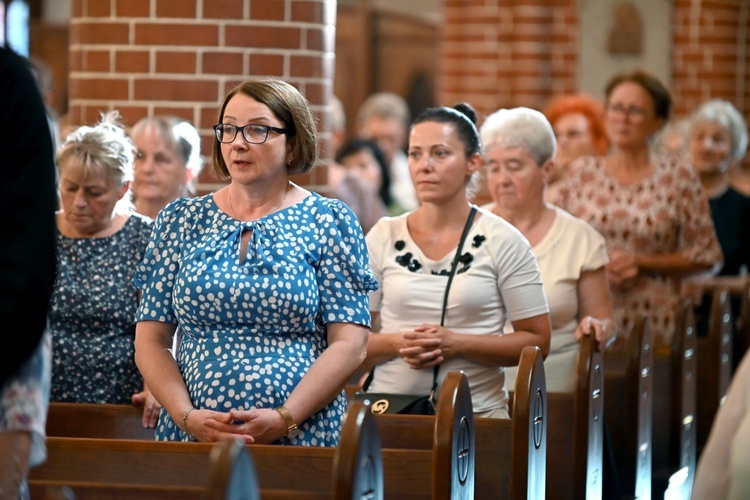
{"points": [[454, 266]]}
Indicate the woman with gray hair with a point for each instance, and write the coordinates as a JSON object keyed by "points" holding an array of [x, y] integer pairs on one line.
{"points": [[520, 149], [167, 161], [100, 241], [717, 142]]}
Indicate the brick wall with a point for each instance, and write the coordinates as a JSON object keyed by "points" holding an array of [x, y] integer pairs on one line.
{"points": [[499, 53], [147, 57], [710, 53]]}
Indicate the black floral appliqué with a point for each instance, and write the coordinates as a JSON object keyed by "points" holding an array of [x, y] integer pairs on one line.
{"points": [[400, 245], [478, 240], [406, 261], [464, 263]]}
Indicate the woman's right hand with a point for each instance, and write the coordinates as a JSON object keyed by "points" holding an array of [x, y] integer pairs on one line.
{"points": [[208, 426], [421, 347], [622, 269]]}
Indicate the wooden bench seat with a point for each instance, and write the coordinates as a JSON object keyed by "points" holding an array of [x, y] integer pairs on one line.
{"points": [[231, 476], [509, 454], [105, 421], [674, 424], [714, 364], [628, 410], [352, 469], [575, 430]]}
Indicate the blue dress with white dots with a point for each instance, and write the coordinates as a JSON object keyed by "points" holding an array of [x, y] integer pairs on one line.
{"points": [[252, 330]]}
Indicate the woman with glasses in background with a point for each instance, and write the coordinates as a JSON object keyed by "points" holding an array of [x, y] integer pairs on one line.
{"points": [[652, 211], [267, 282]]}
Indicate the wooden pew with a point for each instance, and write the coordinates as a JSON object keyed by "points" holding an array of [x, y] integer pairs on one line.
{"points": [[576, 458], [510, 454], [283, 470], [628, 410], [714, 364], [106, 421], [231, 476], [354, 469], [743, 322], [674, 423], [584, 479]]}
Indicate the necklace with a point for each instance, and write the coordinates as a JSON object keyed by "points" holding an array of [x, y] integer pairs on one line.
{"points": [[234, 214]]}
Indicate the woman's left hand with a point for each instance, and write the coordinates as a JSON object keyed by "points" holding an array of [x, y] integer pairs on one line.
{"points": [[265, 425], [622, 268], [603, 331], [426, 346], [151, 407]]}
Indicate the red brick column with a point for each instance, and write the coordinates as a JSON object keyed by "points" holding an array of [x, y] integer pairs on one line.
{"points": [[508, 52], [711, 57], [146, 57]]}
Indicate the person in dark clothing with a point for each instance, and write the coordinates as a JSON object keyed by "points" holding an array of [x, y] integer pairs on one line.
{"points": [[27, 270]]}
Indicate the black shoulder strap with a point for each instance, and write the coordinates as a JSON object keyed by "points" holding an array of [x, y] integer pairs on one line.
{"points": [[454, 266]]}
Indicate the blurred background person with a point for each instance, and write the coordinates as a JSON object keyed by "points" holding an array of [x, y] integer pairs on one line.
{"points": [[100, 242], [360, 179], [519, 146], [44, 80], [718, 138], [717, 142], [384, 117], [673, 139], [579, 130], [364, 179], [651, 210], [27, 271], [167, 161]]}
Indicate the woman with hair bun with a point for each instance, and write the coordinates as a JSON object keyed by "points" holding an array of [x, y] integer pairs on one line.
{"points": [[496, 276]]}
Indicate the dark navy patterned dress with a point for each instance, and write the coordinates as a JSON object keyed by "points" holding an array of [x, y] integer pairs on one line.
{"points": [[252, 330], [92, 315]]}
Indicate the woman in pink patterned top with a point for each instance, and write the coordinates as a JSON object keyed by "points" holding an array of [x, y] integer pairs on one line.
{"points": [[652, 211]]}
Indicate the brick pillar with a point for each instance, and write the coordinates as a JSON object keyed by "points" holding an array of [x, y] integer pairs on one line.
{"points": [[501, 53], [710, 54], [147, 57]]}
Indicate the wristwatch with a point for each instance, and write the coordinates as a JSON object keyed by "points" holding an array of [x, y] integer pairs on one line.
{"points": [[290, 425]]}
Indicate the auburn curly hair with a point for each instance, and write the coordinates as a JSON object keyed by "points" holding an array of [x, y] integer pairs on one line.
{"points": [[589, 107]]}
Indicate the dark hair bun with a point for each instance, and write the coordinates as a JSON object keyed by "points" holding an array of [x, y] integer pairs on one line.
{"points": [[467, 110]]}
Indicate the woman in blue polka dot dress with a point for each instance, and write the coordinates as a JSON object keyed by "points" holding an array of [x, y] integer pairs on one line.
{"points": [[267, 282]]}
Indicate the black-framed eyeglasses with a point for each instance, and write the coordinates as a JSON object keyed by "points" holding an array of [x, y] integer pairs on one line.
{"points": [[254, 134]]}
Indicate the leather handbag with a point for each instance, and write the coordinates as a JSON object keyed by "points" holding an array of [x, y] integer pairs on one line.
{"points": [[414, 404]]}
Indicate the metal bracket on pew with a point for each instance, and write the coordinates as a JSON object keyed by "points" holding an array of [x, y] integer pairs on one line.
{"points": [[629, 380], [589, 413]]}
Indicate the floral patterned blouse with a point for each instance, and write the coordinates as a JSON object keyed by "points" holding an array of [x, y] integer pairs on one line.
{"points": [[92, 315], [664, 213]]}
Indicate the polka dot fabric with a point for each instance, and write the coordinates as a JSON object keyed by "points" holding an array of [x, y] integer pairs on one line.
{"points": [[252, 328]]}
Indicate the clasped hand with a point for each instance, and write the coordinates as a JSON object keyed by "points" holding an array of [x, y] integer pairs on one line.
{"points": [[425, 346], [256, 425], [622, 269]]}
